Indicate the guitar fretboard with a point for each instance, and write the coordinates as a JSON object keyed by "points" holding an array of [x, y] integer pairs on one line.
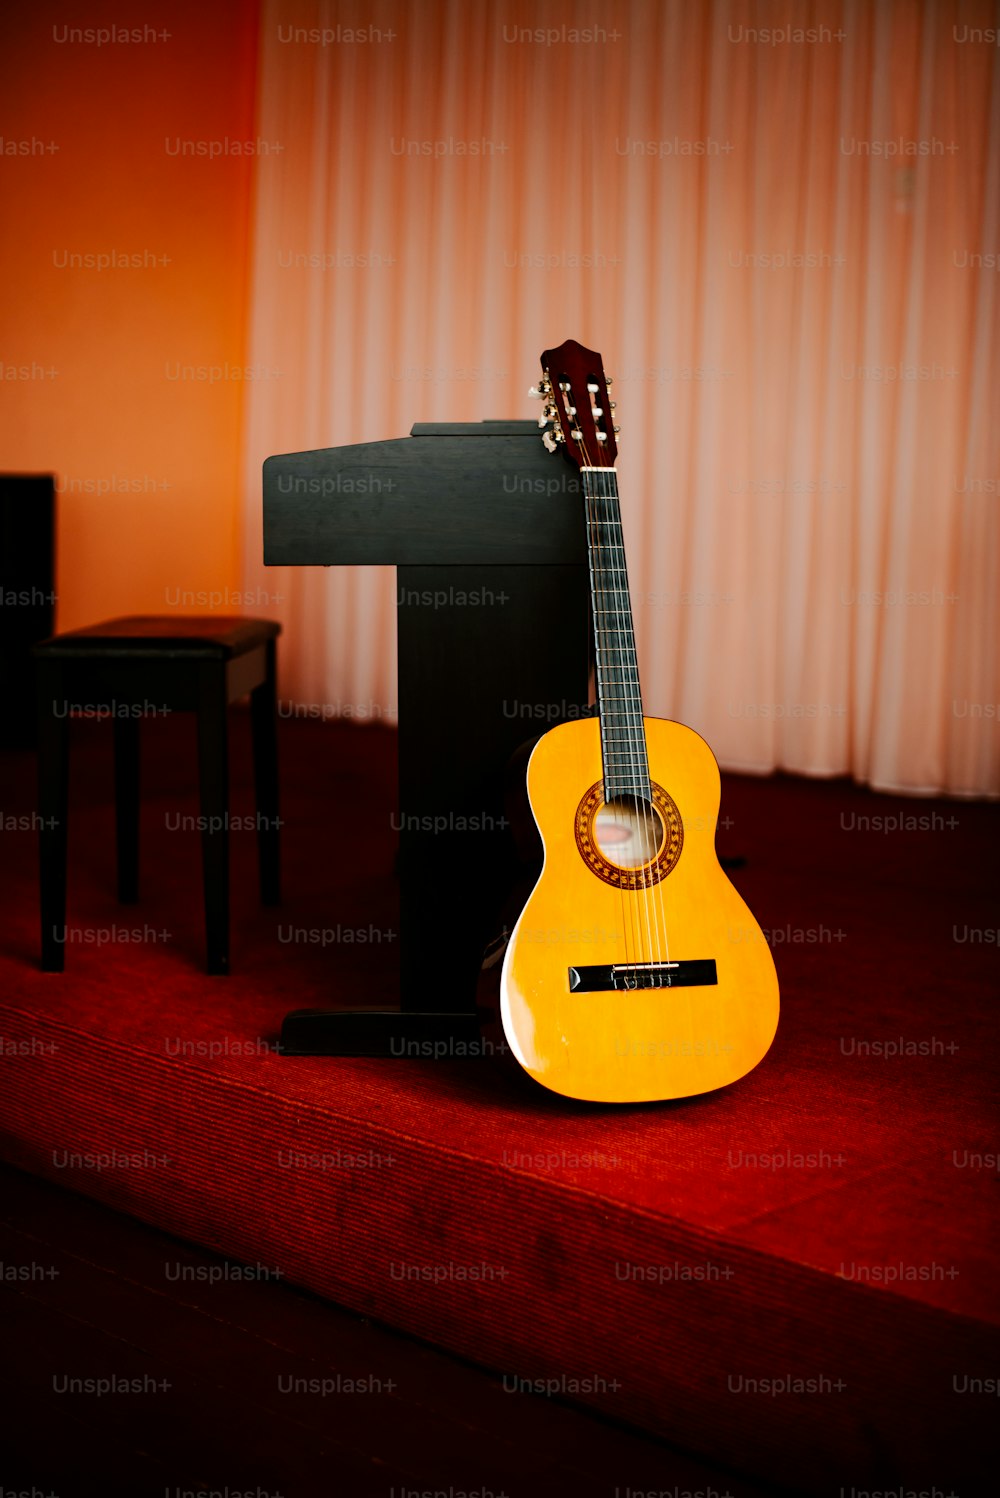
{"points": [[619, 701]]}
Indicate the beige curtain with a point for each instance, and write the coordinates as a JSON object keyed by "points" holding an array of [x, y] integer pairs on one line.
{"points": [[779, 223]]}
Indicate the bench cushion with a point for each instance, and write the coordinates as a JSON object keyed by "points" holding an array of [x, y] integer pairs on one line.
{"points": [[163, 636]]}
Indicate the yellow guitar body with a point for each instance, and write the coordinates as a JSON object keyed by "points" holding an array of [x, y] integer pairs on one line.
{"points": [[616, 1043]]}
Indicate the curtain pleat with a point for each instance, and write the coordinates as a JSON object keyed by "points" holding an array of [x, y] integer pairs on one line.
{"points": [[785, 247]]}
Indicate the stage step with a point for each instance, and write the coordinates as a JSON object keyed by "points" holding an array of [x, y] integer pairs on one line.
{"points": [[791, 1277]]}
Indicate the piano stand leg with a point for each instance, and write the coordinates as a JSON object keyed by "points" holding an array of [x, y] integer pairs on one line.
{"points": [[380, 1032]]}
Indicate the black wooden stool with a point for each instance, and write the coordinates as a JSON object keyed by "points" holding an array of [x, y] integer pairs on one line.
{"points": [[124, 667]]}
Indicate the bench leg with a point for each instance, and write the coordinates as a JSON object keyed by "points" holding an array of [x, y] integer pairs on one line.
{"points": [[213, 774], [53, 806], [264, 723], [127, 807]]}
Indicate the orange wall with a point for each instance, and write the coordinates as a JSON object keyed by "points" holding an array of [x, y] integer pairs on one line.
{"points": [[146, 454]]}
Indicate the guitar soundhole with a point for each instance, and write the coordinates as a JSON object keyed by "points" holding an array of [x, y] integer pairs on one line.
{"points": [[628, 832], [628, 843]]}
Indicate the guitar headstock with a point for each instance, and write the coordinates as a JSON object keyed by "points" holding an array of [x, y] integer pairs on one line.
{"points": [[574, 389]]}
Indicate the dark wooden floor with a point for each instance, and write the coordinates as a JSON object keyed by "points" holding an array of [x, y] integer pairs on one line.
{"points": [[192, 1368]]}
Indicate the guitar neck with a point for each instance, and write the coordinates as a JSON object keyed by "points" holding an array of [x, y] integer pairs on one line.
{"points": [[619, 700]]}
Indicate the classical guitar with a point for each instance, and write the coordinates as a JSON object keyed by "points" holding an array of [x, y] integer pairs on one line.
{"points": [[635, 971]]}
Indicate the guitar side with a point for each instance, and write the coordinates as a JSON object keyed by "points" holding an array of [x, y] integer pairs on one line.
{"points": [[647, 1043]]}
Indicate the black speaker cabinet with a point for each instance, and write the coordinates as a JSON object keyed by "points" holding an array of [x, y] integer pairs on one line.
{"points": [[27, 595]]}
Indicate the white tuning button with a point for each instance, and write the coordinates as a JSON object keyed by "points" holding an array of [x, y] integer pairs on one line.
{"points": [[549, 441], [534, 394]]}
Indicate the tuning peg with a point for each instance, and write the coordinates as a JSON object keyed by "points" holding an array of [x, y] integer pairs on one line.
{"points": [[549, 442], [608, 380], [535, 394], [617, 430]]}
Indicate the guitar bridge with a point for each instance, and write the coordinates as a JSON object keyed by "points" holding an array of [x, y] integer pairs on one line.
{"points": [[699, 972]]}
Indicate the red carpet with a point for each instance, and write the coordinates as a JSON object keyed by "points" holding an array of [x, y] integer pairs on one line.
{"points": [[827, 1220]]}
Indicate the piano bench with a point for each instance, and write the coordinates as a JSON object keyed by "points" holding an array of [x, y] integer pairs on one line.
{"points": [[124, 669]]}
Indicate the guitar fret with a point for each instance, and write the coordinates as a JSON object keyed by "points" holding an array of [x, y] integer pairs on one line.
{"points": [[619, 703]]}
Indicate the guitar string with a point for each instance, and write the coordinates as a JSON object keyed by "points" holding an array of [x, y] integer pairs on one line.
{"points": [[598, 546], [628, 699], [657, 899], [619, 704], [598, 593], [603, 486], [637, 746]]}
